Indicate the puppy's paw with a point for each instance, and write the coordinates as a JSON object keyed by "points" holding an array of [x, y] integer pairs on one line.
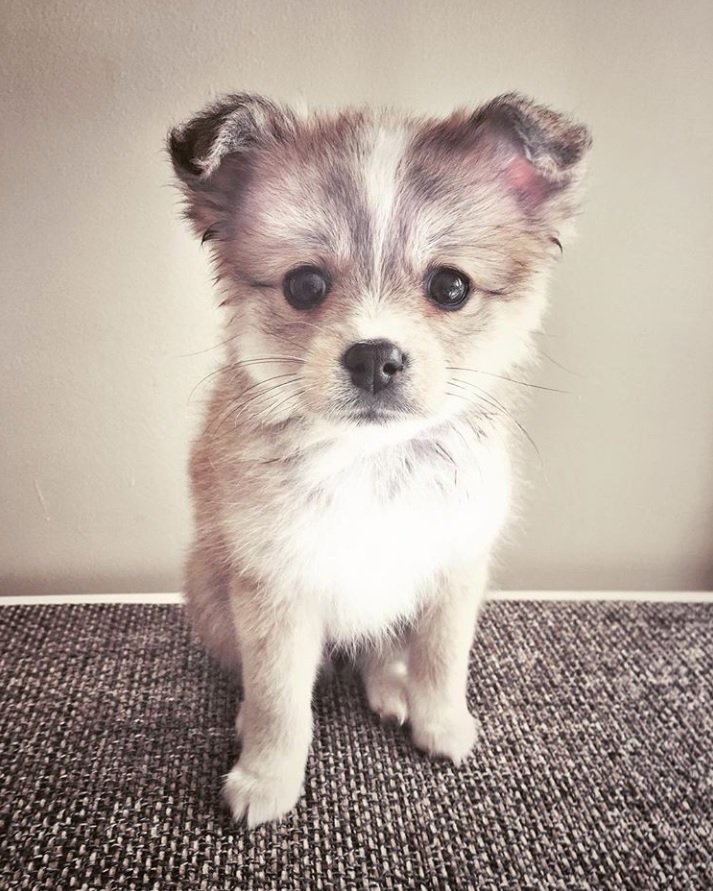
{"points": [[386, 692], [258, 798], [445, 734]]}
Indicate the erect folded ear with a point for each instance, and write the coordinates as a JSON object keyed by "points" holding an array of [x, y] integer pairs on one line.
{"points": [[233, 128], [537, 152]]}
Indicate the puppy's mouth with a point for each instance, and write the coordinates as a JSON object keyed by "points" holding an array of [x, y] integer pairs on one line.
{"points": [[377, 410], [375, 415]]}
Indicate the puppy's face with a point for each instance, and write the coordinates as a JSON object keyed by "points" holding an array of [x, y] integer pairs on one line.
{"points": [[379, 268]]}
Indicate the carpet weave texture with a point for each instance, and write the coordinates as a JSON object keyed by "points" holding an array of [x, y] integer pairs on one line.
{"points": [[594, 769]]}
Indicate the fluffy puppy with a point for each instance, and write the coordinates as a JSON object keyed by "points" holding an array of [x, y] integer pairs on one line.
{"points": [[382, 276]]}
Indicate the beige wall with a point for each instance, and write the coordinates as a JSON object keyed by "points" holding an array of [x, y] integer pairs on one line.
{"points": [[103, 292]]}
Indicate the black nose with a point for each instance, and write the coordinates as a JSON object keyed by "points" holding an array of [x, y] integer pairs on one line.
{"points": [[373, 364]]}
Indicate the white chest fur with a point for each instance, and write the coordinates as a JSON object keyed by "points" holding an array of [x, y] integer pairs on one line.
{"points": [[366, 537]]}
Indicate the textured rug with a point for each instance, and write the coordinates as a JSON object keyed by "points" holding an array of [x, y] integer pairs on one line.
{"points": [[594, 769]]}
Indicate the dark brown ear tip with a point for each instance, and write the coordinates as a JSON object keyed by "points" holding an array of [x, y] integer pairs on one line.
{"points": [[541, 130], [235, 123], [181, 148], [576, 134], [571, 143], [581, 140]]}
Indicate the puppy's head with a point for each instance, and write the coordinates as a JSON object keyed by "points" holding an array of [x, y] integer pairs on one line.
{"points": [[379, 268]]}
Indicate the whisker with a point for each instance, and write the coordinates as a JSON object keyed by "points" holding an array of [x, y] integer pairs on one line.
{"points": [[563, 367], [267, 380], [489, 399], [207, 349], [309, 324], [204, 379], [274, 407], [511, 380], [292, 342], [264, 359], [235, 365], [464, 398], [462, 436], [238, 406], [246, 404]]}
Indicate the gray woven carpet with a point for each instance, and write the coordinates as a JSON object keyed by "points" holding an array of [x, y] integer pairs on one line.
{"points": [[594, 770]]}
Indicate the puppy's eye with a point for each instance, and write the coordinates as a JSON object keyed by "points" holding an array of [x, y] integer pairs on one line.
{"points": [[306, 286], [448, 287]]}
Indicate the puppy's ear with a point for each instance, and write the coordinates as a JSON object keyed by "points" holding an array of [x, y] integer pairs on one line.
{"points": [[224, 135], [537, 152]]}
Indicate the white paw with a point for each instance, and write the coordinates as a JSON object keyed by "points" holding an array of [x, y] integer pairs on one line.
{"points": [[386, 693], [257, 798], [446, 734]]}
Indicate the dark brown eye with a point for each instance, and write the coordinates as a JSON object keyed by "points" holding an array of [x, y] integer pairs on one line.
{"points": [[305, 286], [448, 287]]}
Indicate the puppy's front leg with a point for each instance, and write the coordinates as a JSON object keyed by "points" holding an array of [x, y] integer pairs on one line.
{"points": [[280, 649], [438, 668]]}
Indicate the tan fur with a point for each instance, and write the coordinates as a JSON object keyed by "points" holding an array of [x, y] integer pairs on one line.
{"points": [[313, 527]]}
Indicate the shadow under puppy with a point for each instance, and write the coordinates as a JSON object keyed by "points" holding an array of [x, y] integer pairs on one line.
{"points": [[382, 275]]}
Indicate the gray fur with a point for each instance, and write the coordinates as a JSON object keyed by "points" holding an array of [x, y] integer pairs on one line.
{"points": [[314, 527]]}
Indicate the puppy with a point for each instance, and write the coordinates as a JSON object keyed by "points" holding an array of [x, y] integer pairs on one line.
{"points": [[382, 277]]}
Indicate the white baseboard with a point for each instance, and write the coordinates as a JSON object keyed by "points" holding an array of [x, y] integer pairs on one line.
{"points": [[40, 599], [637, 596]]}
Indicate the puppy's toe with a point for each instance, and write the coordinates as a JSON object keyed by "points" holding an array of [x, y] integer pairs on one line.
{"points": [[446, 735], [386, 694], [256, 799]]}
